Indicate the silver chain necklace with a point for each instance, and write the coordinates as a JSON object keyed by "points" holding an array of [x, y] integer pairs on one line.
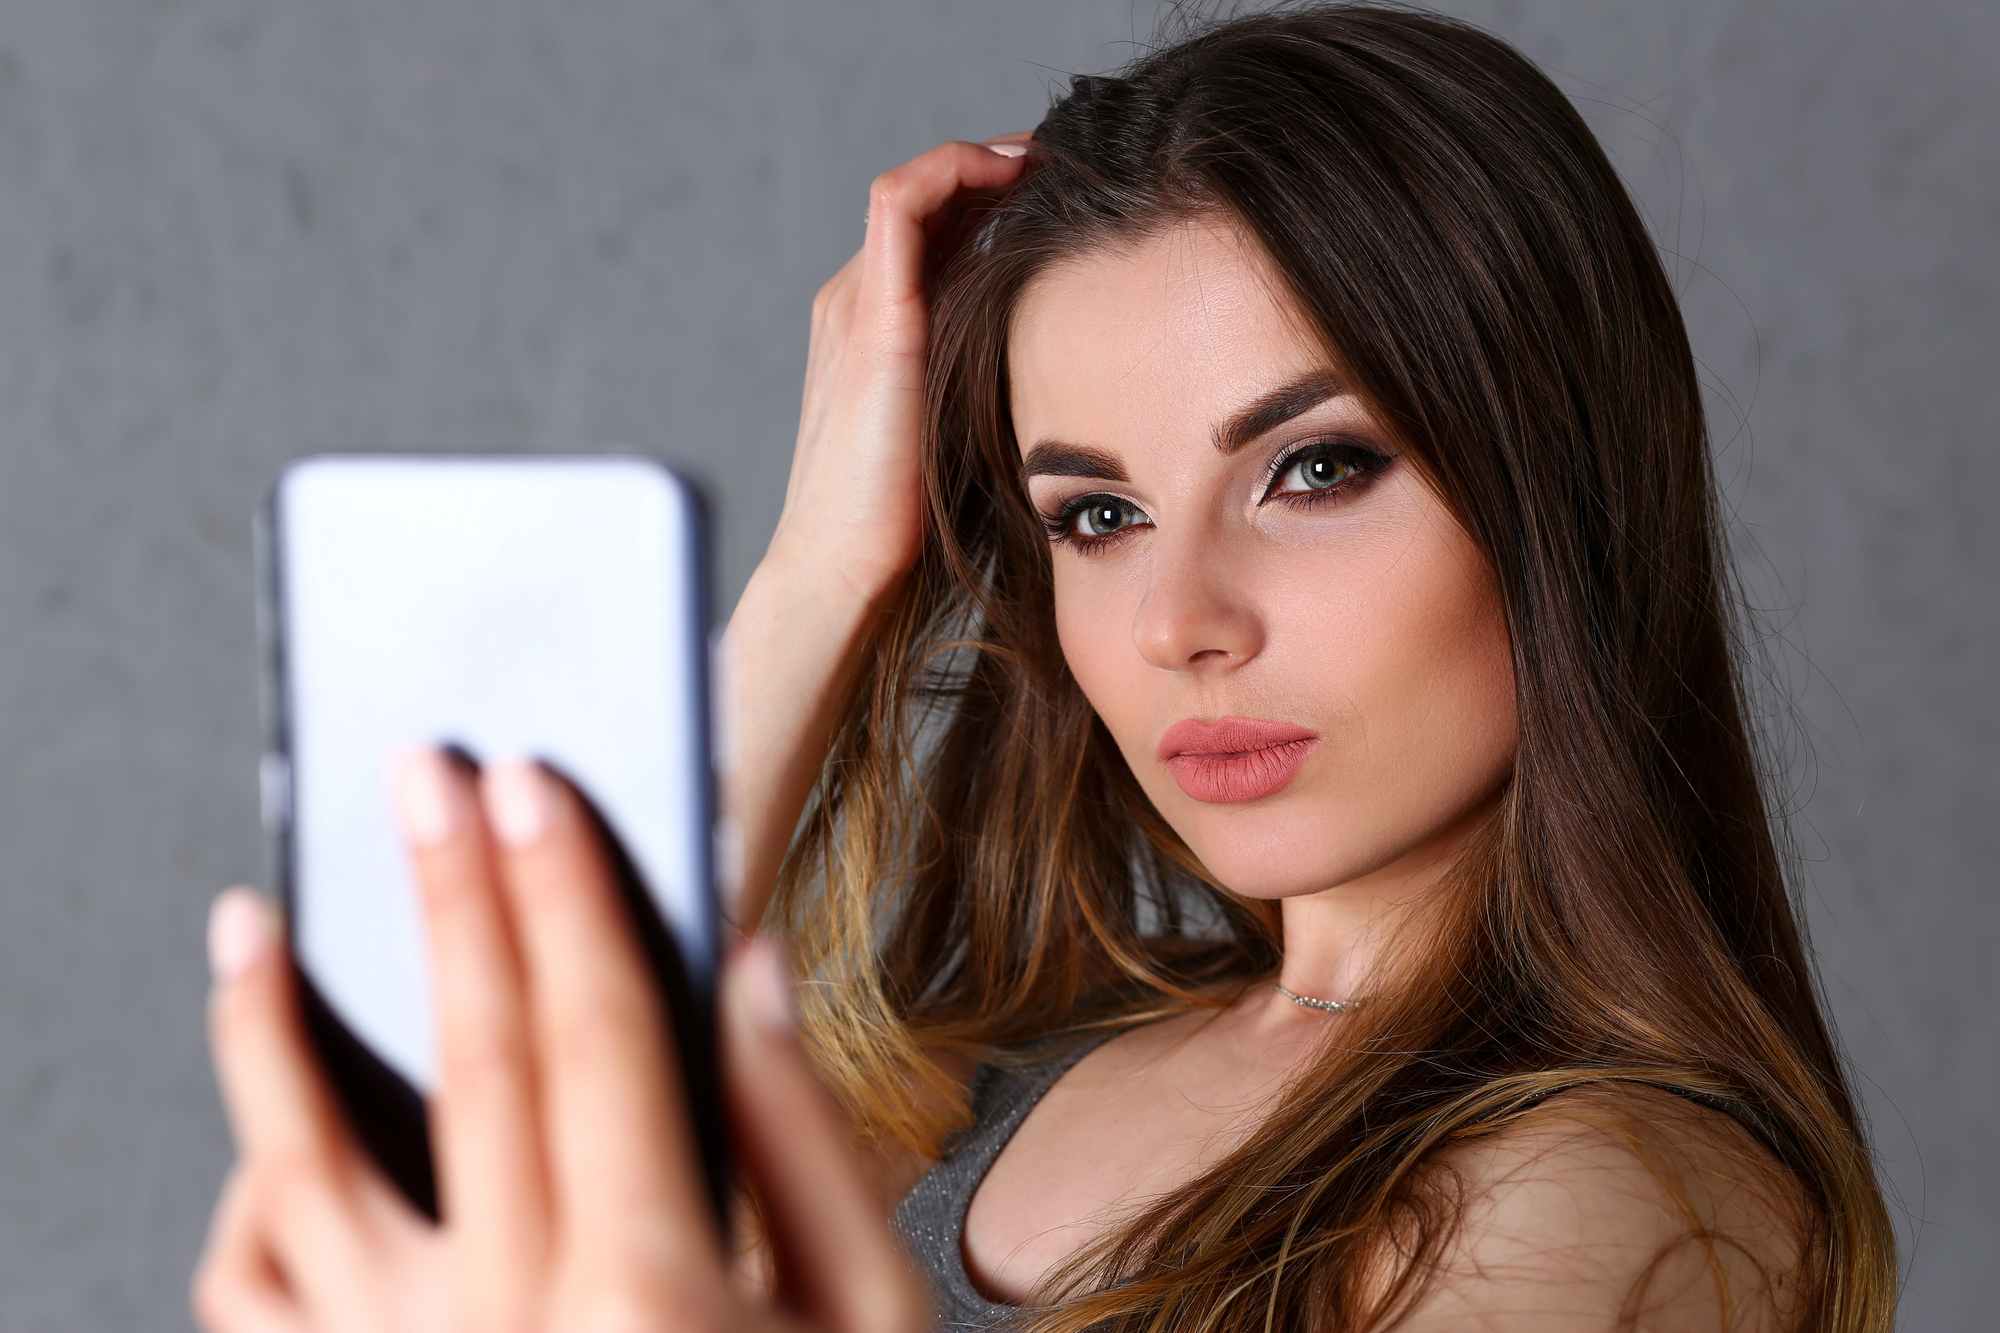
{"points": [[1324, 1006]]}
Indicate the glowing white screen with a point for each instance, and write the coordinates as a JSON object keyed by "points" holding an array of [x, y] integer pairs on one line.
{"points": [[542, 607]]}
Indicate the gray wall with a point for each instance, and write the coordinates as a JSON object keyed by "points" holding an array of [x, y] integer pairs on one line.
{"points": [[233, 231]]}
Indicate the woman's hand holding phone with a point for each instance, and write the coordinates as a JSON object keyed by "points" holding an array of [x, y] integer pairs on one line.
{"points": [[852, 522], [572, 1196]]}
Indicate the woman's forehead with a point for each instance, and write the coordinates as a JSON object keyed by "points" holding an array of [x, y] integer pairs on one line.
{"points": [[1173, 331]]}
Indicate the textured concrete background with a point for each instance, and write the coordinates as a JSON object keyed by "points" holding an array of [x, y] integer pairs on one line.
{"points": [[232, 231]]}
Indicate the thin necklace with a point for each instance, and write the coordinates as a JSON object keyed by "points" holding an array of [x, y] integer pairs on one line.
{"points": [[1324, 1006]]}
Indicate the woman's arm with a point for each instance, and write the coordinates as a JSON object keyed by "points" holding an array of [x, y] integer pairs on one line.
{"points": [[852, 520]]}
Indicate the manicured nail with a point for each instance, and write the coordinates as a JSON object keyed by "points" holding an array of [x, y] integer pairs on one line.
{"points": [[520, 801], [430, 802], [1007, 149], [767, 985], [239, 930]]}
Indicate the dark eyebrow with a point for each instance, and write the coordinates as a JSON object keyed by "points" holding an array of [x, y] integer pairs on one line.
{"points": [[1275, 408], [1053, 458]]}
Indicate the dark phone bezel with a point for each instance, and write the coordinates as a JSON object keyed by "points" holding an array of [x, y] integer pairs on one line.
{"points": [[387, 1113]]}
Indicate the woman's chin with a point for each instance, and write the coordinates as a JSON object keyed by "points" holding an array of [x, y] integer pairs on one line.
{"points": [[1264, 883], [1272, 853]]}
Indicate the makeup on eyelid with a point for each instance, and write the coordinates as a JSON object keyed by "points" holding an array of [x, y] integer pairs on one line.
{"points": [[1235, 759], [1349, 465]]}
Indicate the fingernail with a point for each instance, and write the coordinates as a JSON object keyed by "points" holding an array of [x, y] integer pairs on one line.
{"points": [[518, 802], [239, 930], [429, 803], [1008, 149], [767, 985]]}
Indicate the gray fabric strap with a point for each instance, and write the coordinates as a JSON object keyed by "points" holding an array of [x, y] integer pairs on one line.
{"points": [[931, 1217]]}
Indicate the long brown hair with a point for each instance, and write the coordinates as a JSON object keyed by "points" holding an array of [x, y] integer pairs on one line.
{"points": [[979, 868]]}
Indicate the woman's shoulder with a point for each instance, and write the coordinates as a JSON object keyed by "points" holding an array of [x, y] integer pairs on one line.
{"points": [[1619, 1204]]}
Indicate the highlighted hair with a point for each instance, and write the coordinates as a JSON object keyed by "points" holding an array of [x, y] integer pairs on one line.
{"points": [[979, 867]]}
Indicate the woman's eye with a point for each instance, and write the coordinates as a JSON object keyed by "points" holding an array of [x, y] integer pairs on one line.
{"points": [[1316, 472], [1325, 467], [1097, 516]]}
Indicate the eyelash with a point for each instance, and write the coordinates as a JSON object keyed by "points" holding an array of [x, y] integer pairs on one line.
{"points": [[1367, 464]]}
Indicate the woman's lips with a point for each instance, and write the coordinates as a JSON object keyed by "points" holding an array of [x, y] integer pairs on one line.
{"points": [[1234, 758]]}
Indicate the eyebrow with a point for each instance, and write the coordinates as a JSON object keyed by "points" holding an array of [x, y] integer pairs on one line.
{"points": [[1053, 458], [1056, 458], [1277, 407]]}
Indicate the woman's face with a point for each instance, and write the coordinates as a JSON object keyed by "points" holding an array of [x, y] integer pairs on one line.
{"points": [[1296, 646]]}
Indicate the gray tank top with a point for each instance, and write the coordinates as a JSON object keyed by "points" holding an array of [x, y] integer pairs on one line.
{"points": [[931, 1217]]}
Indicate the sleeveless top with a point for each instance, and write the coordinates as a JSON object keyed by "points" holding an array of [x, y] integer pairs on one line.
{"points": [[931, 1218]]}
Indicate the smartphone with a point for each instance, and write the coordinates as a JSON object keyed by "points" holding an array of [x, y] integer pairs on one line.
{"points": [[546, 606]]}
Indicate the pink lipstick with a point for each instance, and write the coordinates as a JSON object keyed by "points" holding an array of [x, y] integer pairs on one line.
{"points": [[1235, 758]]}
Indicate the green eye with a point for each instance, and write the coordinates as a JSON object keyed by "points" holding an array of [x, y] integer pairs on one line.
{"points": [[1322, 470], [1102, 516], [1325, 467]]}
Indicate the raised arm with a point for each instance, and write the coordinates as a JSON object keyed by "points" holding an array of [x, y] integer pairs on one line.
{"points": [[851, 525]]}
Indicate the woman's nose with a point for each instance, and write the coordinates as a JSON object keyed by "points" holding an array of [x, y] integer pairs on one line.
{"points": [[1196, 615]]}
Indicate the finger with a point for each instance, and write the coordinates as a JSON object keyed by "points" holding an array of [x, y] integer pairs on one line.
{"points": [[492, 1180], [948, 227], [237, 1288], [276, 1099], [924, 187], [620, 1151], [832, 318], [312, 1189], [907, 206], [836, 1258], [833, 304]]}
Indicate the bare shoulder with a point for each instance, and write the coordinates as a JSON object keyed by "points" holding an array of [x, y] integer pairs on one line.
{"points": [[1619, 1206]]}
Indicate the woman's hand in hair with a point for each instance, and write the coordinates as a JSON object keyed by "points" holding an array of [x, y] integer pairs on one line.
{"points": [[853, 504], [853, 516], [570, 1189]]}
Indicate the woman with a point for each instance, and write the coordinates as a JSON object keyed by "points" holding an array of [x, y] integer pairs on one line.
{"points": [[1249, 635]]}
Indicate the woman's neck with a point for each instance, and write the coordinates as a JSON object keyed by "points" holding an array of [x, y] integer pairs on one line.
{"points": [[1336, 940]]}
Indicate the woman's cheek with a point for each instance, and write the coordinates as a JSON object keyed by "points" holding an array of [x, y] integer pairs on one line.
{"points": [[1094, 611], [1451, 688]]}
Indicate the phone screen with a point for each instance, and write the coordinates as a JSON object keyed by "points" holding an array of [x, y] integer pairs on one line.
{"points": [[543, 607]]}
